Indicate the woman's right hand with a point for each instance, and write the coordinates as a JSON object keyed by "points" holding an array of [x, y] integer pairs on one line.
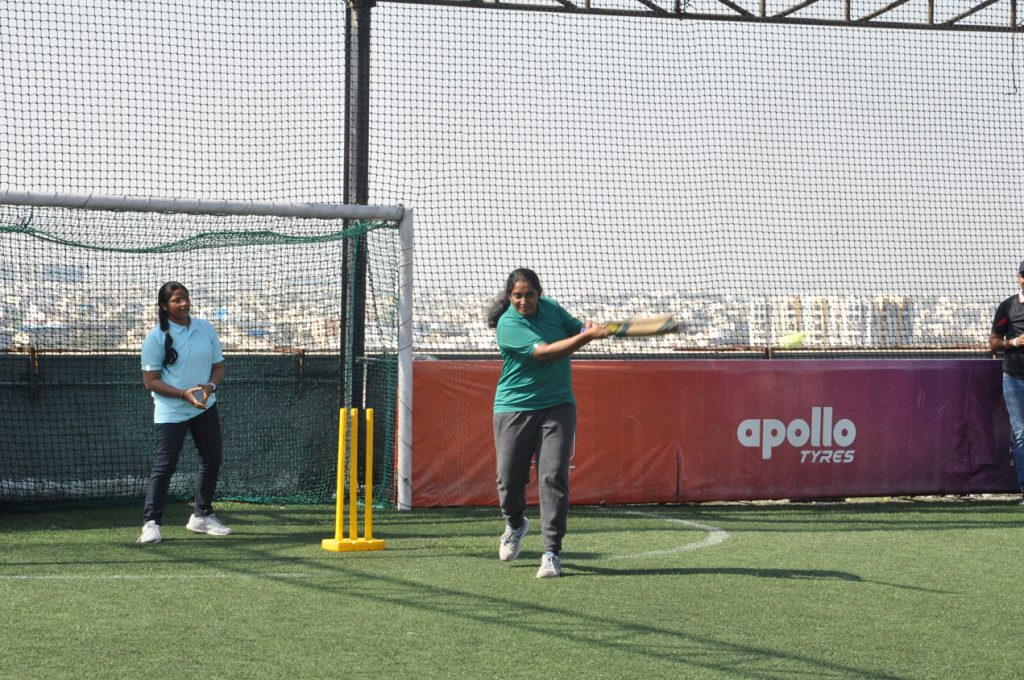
{"points": [[190, 395]]}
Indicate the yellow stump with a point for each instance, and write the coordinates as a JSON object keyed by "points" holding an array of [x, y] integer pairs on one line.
{"points": [[339, 543]]}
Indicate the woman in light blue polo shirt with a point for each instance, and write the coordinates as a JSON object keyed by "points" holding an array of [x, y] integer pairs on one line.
{"points": [[535, 410], [182, 365]]}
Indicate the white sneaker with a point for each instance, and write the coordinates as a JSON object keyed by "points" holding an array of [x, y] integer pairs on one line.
{"points": [[509, 547], [550, 566], [150, 533], [207, 525]]}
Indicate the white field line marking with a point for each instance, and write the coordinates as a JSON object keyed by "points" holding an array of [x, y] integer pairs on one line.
{"points": [[140, 577], [714, 537]]}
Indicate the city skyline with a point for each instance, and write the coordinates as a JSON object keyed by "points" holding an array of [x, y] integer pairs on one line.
{"points": [[67, 316]]}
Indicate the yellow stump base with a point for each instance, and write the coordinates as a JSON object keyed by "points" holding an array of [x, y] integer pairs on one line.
{"points": [[352, 544]]}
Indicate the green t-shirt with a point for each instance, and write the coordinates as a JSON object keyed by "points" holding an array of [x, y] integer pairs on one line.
{"points": [[526, 383]]}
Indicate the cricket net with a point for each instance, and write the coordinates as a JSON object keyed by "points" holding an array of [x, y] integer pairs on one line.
{"points": [[79, 295]]}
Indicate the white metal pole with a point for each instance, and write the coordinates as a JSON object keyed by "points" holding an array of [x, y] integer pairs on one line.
{"points": [[201, 206], [405, 351]]}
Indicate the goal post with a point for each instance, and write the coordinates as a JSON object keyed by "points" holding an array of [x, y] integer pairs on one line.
{"points": [[405, 351], [80, 274], [202, 206]]}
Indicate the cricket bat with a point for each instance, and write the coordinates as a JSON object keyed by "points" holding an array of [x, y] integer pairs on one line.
{"points": [[654, 325]]}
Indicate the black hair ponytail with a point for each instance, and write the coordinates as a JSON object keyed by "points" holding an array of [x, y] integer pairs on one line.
{"points": [[166, 291]]}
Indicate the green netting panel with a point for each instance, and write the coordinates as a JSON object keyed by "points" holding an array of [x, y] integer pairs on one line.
{"points": [[78, 296]]}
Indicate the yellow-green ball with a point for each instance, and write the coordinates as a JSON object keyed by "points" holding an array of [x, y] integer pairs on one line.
{"points": [[793, 340]]}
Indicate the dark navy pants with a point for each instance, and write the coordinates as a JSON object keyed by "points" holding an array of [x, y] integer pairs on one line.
{"points": [[1013, 395], [170, 437]]}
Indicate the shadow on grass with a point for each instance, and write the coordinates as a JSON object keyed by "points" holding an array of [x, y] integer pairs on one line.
{"points": [[786, 574]]}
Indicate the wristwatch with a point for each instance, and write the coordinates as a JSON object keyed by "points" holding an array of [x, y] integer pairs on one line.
{"points": [[212, 385]]}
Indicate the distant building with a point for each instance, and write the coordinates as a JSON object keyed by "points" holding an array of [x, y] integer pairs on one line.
{"points": [[59, 272]]}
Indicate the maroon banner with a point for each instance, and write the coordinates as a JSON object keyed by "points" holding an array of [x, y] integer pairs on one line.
{"points": [[678, 431]]}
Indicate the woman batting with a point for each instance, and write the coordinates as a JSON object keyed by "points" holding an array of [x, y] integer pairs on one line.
{"points": [[535, 410]]}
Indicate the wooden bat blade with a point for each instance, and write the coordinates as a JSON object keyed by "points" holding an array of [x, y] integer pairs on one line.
{"points": [[655, 325]]}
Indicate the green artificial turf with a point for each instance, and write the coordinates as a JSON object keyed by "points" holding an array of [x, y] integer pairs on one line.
{"points": [[844, 590]]}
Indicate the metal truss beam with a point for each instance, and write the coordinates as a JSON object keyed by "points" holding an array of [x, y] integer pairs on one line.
{"points": [[796, 14]]}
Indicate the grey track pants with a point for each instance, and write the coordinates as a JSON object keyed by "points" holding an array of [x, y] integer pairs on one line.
{"points": [[549, 434]]}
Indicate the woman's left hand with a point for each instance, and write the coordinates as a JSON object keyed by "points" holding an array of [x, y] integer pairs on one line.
{"points": [[595, 330]]}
